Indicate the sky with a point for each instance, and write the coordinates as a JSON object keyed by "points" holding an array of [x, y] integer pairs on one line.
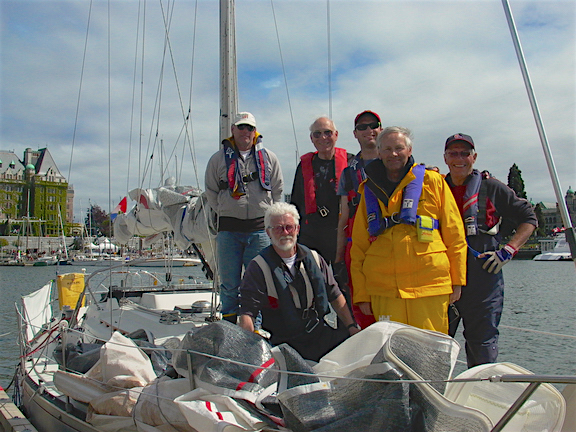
{"points": [[98, 85]]}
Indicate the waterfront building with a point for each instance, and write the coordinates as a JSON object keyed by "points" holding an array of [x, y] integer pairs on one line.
{"points": [[33, 188], [551, 212]]}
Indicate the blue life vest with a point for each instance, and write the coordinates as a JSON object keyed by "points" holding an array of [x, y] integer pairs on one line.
{"points": [[470, 205], [408, 212], [475, 211], [354, 175]]}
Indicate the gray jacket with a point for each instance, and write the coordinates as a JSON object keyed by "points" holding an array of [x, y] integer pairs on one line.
{"points": [[250, 206]]}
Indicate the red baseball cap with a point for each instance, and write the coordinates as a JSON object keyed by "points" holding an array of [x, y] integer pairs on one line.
{"points": [[366, 112]]}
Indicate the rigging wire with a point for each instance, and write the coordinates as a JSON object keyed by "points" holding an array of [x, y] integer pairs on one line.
{"points": [[189, 138], [167, 14], [188, 117], [79, 91], [154, 123], [134, 75], [109, 128], [539, 332], [329, 58], [185, 115], [274, 366], [285, 81], [141, 123], [109, 111]]}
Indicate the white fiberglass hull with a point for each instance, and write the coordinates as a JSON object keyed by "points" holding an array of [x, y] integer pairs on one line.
{"points": [[174, 262], [553, 256], [51, 414]]}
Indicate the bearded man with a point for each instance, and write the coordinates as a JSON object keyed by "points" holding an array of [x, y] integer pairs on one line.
{"points": [[292, 287]]}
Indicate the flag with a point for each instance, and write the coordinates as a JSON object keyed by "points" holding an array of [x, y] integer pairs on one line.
{"points": [[120, 208]]}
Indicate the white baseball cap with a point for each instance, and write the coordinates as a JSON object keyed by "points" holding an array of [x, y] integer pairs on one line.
{"points": [[245, 118]]}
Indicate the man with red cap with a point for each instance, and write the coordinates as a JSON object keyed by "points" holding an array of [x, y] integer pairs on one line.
{"points": [[484, 203], [367, 126]]}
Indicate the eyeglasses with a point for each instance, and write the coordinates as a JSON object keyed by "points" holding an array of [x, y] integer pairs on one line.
{"points": [[246, 126], [326, 133], [463, 153], [455, 314], [364, 126], [279, 229]]}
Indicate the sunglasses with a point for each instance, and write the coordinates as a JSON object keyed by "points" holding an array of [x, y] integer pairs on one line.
{"points": [[326, 133], [456, 313], [364, 126], [454, 153], [246, 126], [279, 229]]}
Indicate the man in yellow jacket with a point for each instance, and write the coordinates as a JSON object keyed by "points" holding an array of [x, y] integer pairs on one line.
{"points": [[408, 244]]}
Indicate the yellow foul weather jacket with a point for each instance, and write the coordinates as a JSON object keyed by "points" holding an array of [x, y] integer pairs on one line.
{"points": [[396, 263]]}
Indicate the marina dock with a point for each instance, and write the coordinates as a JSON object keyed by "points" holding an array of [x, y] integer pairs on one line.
{"points": [[11, 418]]}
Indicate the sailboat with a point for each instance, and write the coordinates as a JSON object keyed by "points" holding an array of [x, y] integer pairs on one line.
{"points": [[556, 249], [222, 377]]}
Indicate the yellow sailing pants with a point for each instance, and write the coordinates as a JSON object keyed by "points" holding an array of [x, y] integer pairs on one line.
{"points": [[428, 313]]}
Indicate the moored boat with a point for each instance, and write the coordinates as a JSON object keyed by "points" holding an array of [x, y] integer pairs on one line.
{"points": [[556, 249], [168, 262], [153, 355], [136, 300], [45, 261]]}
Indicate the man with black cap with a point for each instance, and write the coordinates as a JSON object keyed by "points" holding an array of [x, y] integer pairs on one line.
{"points": [[242, 180], [367, 126], [484, 203]]}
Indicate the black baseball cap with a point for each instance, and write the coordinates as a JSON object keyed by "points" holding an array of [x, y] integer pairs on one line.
{"points": [[459, 137]]}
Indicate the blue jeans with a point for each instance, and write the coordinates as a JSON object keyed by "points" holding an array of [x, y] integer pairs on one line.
{"points": [[234, 250]]}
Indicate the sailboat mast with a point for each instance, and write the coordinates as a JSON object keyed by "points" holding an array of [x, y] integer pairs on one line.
{"points": [[63, 233], [228, 74]]}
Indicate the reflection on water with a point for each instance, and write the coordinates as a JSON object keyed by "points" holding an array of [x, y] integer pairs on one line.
{"points": [[538, 296]]}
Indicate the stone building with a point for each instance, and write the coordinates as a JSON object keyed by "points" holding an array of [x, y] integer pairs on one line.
{"points": [[552, 216], [33, 187]]}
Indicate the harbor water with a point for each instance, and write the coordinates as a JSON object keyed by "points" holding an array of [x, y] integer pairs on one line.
{"points": [[538, 327]]}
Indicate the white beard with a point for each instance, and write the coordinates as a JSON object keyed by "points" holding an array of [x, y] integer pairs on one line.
{"points": [[285, 246]]}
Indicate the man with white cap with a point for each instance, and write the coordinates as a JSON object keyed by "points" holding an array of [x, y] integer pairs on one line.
{"points": [[242, 180], [484, 204]]}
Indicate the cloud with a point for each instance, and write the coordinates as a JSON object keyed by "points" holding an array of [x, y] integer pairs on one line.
{"points": [[437, 67]]}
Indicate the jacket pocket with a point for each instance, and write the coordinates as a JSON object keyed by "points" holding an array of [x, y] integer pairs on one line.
{"points": [[432, 264], [422, 248]]}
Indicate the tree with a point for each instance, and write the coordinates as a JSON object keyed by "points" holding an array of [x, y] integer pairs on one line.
{"points": [[515, 181], [541, 230], [97, 221]]}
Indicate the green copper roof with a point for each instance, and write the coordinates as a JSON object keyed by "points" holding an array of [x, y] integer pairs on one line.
{"points": [[30, 166]]}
